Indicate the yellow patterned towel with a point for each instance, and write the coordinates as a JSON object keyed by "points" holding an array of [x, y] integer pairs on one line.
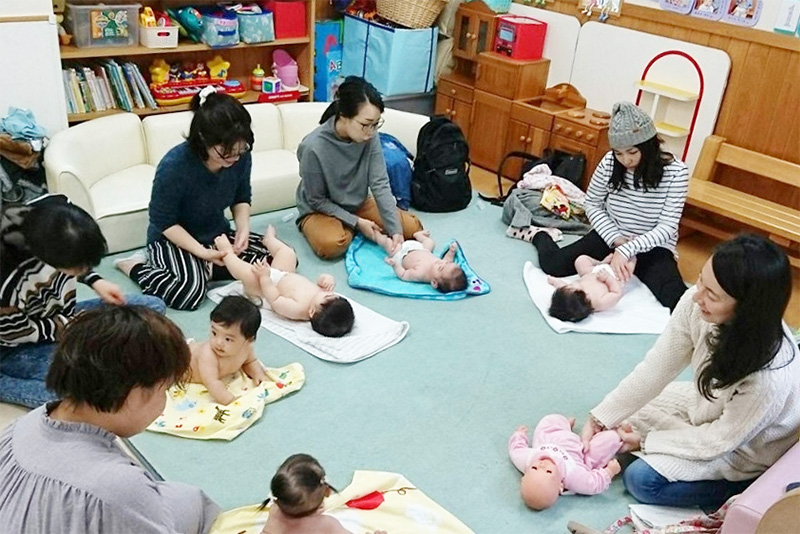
{"points": [[192, 413], [375, 500]]}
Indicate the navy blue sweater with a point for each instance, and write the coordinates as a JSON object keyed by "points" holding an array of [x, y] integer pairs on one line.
{"points": [[186, 193]]}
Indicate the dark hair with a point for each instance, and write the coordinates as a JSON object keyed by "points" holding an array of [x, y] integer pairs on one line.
{"points": [[570, 304], [236, 309], [649, 172], [299, 486], [756, 273], [106, 352], [350, 97], [457, 283], [62, 234], [334, 318], [220, 120]]}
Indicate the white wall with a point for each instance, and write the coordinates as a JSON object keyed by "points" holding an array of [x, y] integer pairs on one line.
{"points": [[31, 63]]}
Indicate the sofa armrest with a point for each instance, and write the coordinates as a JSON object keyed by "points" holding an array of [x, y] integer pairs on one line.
{"points": [[67, 183]]}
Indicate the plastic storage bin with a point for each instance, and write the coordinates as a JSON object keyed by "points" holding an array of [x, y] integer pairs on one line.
{"points": [[220, 29], [158, 36], [104, 25]]}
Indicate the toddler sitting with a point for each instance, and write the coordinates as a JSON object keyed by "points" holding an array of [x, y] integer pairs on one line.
{"points": [[289, 294], [414, 261], [556, 461], [597, 289], [234, 323]]}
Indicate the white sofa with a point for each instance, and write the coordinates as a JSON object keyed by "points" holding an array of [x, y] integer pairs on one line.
{"points": [[107, 165]]}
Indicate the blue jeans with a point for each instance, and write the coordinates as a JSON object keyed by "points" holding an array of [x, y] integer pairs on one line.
{"points": [[23, 368], [649, 487]]}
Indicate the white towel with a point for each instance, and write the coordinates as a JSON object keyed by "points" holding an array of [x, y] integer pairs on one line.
{"points": [[372, 332], [637, 312]]}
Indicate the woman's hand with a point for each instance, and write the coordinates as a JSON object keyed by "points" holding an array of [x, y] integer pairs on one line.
{"points": [[214, 256], [109, 292], [370, 229], [397, 242], [631, 439], [241, 239], [590, 428], [622, 267]]}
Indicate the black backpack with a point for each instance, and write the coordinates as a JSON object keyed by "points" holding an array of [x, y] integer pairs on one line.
{"points": [[441, 168]]}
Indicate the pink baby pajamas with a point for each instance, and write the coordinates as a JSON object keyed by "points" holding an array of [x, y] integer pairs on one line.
{"points": [[554, 439]]}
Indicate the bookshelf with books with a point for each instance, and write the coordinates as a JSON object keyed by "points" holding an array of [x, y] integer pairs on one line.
{"points": [[98, 63]]}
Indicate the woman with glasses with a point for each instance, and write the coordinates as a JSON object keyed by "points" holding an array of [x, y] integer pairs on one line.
{"points": [[194, 183], [341, 163]]}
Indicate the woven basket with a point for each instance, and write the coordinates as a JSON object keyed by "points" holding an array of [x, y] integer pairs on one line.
{"points": [[411, 13]]}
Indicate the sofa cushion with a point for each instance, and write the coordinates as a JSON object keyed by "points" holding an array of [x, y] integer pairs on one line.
{"points": [[274, 180], [163, 132], [266, 127], [123, 192], [299, 119], [94, 149]]}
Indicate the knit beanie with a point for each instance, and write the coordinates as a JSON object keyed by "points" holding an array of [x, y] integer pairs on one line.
{"points": [[629, 126]]}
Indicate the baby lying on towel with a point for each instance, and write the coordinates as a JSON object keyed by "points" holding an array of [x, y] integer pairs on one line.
{"points": [[414, 261], [289, 294], [597, 289]]}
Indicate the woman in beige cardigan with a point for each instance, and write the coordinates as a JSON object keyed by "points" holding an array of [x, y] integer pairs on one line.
{"points": [[703, 441]]}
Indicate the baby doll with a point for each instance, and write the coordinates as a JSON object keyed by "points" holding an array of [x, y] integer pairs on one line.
{"points": [[414, 261], [234, 323], [556, 461], [597, 289], [289, 294]]}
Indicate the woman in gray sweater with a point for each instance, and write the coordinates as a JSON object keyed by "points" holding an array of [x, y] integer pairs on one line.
{"points": [[701, 442], [341, 163], [60, 466]]}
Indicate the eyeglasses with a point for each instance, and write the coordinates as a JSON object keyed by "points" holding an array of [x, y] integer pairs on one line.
{"points": [[371, 127], [247, 148]]}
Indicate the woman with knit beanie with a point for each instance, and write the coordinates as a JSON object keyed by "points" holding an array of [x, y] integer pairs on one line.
{"points": [[634, 203]]}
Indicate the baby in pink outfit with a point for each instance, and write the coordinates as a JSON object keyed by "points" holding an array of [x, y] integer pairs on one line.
{"points": [[556, 461]]}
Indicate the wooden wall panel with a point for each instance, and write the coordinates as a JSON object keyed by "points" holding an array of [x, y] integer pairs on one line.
{"points": [[761, 106]]}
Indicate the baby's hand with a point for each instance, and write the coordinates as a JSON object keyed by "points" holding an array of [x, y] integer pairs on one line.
{"points": [[260, 269], [418, 235], [613, 468], [389, 260], [523, 429], [223, 244], [326, 282]]}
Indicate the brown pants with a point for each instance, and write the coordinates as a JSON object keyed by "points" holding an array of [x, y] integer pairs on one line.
{"points": [[329, 237]]}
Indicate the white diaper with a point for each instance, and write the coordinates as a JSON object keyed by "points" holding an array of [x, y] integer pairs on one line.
{"points": [[276, 275], [603, 267], [405, 248]]}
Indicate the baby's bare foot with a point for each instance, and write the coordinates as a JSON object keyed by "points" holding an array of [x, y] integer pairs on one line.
{"points": [[223, 244]]}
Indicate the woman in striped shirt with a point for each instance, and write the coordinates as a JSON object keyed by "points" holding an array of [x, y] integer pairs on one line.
{"points": [[634, 203]]}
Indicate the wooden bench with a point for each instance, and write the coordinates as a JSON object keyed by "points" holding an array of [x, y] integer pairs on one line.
{"points": [[780, 222]]}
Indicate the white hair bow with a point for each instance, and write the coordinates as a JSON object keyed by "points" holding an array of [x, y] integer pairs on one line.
{"points": [[207, 90]]}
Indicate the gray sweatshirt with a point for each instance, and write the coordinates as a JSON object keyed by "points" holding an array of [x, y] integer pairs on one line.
{"points": [[61, 477], [336, 177]]}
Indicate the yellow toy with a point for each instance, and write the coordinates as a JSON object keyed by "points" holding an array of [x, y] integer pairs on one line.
{"points": [[218, 67], [159, 71]]}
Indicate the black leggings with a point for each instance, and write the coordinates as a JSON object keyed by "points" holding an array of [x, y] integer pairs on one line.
{"points": [[656, 268]]}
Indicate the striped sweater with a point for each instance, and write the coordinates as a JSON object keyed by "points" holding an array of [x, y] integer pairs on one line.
{"points": [[36, 299], [650, 218]]}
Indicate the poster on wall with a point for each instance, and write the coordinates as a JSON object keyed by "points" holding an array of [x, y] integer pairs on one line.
{"points": [[708, 9], [742, 12], [678, 6]]}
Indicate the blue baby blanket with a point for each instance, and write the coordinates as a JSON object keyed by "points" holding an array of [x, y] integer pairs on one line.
{"points": [[367, 269]]}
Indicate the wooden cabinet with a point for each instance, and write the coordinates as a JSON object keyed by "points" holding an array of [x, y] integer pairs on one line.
{"points": [[511, 78], [582, 131], [488, 128], [473, 30], [524, 138], [454, 99], [242, 57]]}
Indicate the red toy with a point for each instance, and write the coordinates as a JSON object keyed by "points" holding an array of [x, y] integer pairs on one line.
{"points": [[290, 17], [520, 37]]}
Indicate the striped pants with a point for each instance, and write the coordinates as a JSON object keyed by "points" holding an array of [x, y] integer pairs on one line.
{"points": [[179, 278]]}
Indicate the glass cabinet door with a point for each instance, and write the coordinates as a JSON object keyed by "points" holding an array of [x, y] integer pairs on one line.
{"points": [[463, 35], [483, 37]]}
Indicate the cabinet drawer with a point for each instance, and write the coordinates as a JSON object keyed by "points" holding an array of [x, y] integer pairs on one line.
{"points": [[533, 117], [559, 142], [576, 132], [453, 90]]}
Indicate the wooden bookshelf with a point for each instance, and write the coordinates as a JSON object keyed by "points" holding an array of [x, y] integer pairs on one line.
{"points": [[242, 57]]}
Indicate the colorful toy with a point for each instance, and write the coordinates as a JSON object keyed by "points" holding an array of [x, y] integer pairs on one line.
{"points": [[257, 78], [271, 84], [178, 83], [285, 68]]}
